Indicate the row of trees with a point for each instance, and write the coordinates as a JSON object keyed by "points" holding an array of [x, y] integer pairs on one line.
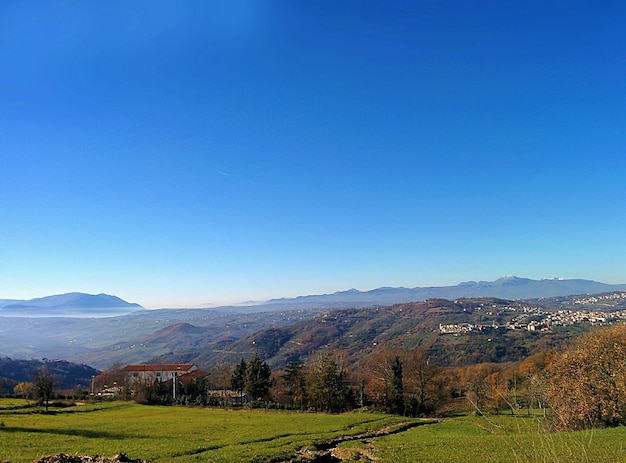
{"points": [[402, 383], [397, 382], [322, 386], [252, 379], [393, 381]]}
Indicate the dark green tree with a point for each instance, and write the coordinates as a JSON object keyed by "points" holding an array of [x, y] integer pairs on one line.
{"points": [[258, 381], [238, 378], [328, 386], [296, 383], [397, 386]]}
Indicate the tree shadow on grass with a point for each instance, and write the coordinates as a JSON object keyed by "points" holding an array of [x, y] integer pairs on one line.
{"points": [[71, 432]]}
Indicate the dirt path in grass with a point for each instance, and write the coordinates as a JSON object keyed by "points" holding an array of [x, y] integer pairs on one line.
{"points": [[329, 451], [63, 458]]}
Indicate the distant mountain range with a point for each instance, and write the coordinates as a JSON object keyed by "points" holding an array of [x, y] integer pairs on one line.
{"points": [[68, 305], [508, 287]]}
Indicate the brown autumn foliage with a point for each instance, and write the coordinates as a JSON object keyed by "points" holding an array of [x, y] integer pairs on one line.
{"points": [[423, 382], [379, 376], [586, 385], [479, 382]]}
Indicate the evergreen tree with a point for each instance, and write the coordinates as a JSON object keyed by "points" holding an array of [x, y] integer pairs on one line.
{"points": [[296, 384], [238, 378], [257, 382], [328, 386], [397, 386]]}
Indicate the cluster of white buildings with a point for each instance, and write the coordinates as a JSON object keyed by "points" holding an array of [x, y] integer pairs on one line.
{"points": [[600, 298], [539, 319]]}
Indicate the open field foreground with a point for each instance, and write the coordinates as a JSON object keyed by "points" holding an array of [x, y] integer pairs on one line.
{"points": [[178, 434]]}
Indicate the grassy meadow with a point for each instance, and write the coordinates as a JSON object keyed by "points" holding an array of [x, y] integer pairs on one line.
{"points": [[179, 434], [500, 439], [173, 434]]}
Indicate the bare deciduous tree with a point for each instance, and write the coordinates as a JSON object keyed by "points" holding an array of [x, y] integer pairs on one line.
{"points": [[478, 381], [379, 373], [44, 386], [423, 382]]}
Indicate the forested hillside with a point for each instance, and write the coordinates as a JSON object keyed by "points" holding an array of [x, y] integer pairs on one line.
{"points": [[455, 333], [67, 375]]}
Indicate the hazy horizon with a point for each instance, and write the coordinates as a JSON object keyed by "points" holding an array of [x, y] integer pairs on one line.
{"points": [[181, 154], [252, 302]]}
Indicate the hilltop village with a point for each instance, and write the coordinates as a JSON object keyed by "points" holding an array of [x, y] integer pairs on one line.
{"points": [[538, 318]]}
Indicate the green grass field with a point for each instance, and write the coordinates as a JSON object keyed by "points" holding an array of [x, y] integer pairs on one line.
{"points": [[179, 434], [500, 439], [6, 404], [173, 434]]}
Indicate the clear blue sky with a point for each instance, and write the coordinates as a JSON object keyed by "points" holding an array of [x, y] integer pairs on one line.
{"points": [[184, 153]]}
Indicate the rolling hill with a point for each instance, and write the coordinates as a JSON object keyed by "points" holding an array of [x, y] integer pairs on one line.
{"points": [[67, 375], [133, 338]]}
